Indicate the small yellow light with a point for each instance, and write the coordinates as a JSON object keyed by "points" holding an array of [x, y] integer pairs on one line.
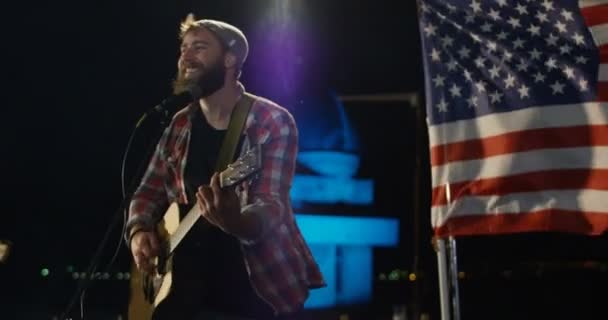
{"points": [[412, 277], [461, 275], [5, 250]]}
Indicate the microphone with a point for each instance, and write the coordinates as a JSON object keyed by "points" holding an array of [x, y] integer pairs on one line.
{"points": [[171, 104]]}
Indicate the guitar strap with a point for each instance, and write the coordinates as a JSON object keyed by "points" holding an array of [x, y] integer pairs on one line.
{"points": [[235, 130]]}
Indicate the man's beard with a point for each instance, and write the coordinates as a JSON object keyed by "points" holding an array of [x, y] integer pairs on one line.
{"points": [[208, 82]]}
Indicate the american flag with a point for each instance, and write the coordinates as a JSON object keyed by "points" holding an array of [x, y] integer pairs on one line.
{"points": [[517, 107]]}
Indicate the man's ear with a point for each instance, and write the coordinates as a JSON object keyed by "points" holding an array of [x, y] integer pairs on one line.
{"points": [[229, 60]]}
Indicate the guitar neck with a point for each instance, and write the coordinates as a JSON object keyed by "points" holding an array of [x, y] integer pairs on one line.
{"points": [[236, 172], [184, 226]]}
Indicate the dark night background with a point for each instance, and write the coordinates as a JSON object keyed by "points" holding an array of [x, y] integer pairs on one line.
{"points": [[80, 74]]}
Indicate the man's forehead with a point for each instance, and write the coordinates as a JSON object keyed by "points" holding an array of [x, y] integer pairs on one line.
{"points": [[198, 34]]}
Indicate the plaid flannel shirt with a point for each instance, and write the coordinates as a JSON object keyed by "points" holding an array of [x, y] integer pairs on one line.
{"points": [[279, 263]]}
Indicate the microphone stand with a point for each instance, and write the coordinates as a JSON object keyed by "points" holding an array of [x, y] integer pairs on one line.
{"points": [[84, 283]]}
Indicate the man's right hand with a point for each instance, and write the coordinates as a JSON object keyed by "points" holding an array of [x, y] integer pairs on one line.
{"points": [[144, 247]]}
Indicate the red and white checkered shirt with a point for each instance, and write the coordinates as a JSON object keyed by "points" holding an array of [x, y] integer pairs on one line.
{"points": [[279, 263]]}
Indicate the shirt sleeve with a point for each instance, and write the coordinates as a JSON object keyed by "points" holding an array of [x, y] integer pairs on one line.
{"points": [[150, 196], [269, 193]]}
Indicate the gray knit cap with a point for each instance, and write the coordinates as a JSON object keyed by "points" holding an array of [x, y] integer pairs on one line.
{"points": [[231, 36]]}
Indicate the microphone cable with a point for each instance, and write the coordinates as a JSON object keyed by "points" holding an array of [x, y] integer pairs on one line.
{"points": [[165, 109], [96, 275]]}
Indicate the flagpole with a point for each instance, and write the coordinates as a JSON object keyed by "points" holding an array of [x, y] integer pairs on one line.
{"points": [[442, 273], [454, 278], [447, 271]]}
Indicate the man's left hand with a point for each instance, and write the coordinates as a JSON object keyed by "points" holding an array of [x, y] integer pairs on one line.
{"points": [[221, 207]]}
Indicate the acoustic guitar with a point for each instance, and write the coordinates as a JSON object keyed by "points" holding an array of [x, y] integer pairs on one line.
{"points": [[148, 290]]}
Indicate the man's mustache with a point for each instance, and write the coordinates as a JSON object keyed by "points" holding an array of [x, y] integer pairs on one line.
{"points": [[197, 65]]}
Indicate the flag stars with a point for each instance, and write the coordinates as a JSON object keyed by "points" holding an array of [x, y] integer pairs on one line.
{"points": [[557, 87], [473, 102], [554, 64], [480, 62], [442, 106], [494, 72], [578, 39], [425, 8], [502, 3], [567, 15], [514, 22], [569, 72], [467, 75], [510, 81], [441, 17], [447, 41], [581, 60], [481, 86], [584, 85], [495, 97], [523, 65], [455, 91], [552, 40], [524, 91], [551, 64], [548, 5], [502, 35], [464, 52], [560, 26], [495, 15], [518, 43], [542, 17], [451, 8], [492, 46], [469, 18], [430, 30], [565, 49], [539, 77], [476, 37], [535, 54], [452, 65], [476, 6], [521, 9], [534, 30], [457, 26], [439, 81], [435, 55]]}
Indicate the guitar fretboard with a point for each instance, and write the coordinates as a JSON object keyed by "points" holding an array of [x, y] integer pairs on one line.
{"points": [[184, 226]]}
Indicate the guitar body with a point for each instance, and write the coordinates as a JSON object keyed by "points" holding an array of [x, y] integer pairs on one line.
{"points": [[149, 290], [139, 307]]}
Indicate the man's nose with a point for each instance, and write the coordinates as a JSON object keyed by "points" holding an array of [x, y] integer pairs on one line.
{"points": [[187, 53]]}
